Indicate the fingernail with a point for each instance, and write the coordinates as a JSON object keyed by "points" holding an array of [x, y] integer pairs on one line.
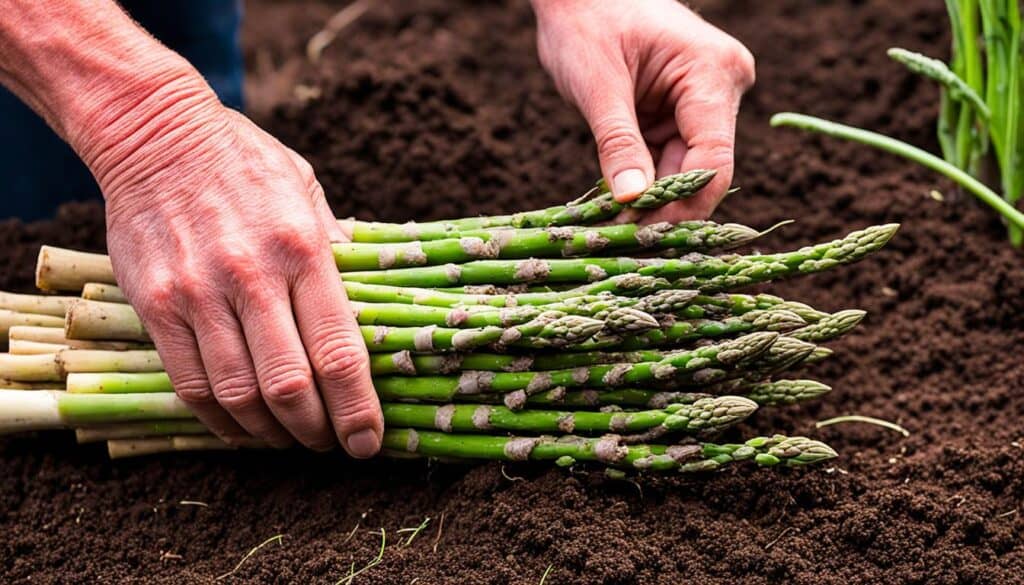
{"points": [[363, 444], [628, 184]]}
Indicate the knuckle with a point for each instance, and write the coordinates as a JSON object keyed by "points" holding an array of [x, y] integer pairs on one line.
{"points": [[337, 360], [617, 138], [237, 391], [297, 240], [287, 384], [194, 391], [737, 60], [238, 269], [356, 411]]}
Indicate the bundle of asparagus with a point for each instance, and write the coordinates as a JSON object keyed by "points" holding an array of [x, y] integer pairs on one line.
{"points": [[534, 336]]}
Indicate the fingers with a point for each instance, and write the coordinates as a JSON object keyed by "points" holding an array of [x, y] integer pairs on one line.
{"points": [[180, 355], [285, 379], [611, 113], [705, 114], [232, 376], [338, 356]]}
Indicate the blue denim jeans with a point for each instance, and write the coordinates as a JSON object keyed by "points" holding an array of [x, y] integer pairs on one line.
{"points": [[38, 171]]}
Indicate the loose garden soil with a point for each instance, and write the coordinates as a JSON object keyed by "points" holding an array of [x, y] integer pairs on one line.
{"points": [[442, 110]]}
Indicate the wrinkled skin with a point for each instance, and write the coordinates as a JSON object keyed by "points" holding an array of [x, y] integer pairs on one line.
{"points": [[220, 236]]}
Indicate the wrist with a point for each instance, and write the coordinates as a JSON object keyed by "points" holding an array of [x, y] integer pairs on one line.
{"points": [[105, 85], [125, 134]]}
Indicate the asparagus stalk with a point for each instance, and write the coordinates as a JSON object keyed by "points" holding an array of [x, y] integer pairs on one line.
{"points": [[60, 269], [693, 271], [703, 416], [35, 304], [679, 332], [139, 430], [773, 393], [106, 416], [55, 336], [551, 242], [20, 347], [774, 451], [688, 365], [9, 319], [122, 448], [617, 319], [600, 208], [98, 320], [56, 409], [110, 293], [610, 450], [55, 367]]}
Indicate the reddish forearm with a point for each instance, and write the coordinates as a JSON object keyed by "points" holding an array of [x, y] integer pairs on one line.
{"points": [[99, 80]]}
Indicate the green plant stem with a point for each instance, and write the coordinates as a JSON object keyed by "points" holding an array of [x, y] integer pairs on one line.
{"points": [[891, 145]]}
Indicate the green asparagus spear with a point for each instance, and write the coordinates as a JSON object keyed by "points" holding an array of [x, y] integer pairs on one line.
{"points": [[681, 365], [707, 273], [831, 327], [551, 242], [706, 415], [773, 393], [610, 450]]}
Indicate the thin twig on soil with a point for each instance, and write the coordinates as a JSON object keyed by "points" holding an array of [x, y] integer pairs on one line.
{"points": [[547, 572], [863, 419], [341, 19], [277, 537], [510, 477], [437, 539], [193, 503], [787, 530]]}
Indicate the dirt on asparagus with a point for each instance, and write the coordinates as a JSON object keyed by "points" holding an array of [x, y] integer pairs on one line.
{"points": [[442, 110]]}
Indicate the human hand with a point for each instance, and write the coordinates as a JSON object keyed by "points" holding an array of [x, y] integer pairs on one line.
{"points": [[220, 237], [658, 85]]}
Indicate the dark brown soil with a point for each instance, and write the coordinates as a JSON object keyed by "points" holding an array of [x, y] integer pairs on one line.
{"points": [[442, 110]]}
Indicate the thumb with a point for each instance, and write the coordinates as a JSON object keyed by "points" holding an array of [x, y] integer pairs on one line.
{"points": [[625, 160]]}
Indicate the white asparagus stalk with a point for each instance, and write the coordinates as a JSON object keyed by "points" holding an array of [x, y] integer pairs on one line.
{"points": [[122, 448], [57, 409], [9, 319], [102, 320], [23, 347], [95, 291], [53, 335], [55, 367], [60, 269], [35, 304], [139, 430]]}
